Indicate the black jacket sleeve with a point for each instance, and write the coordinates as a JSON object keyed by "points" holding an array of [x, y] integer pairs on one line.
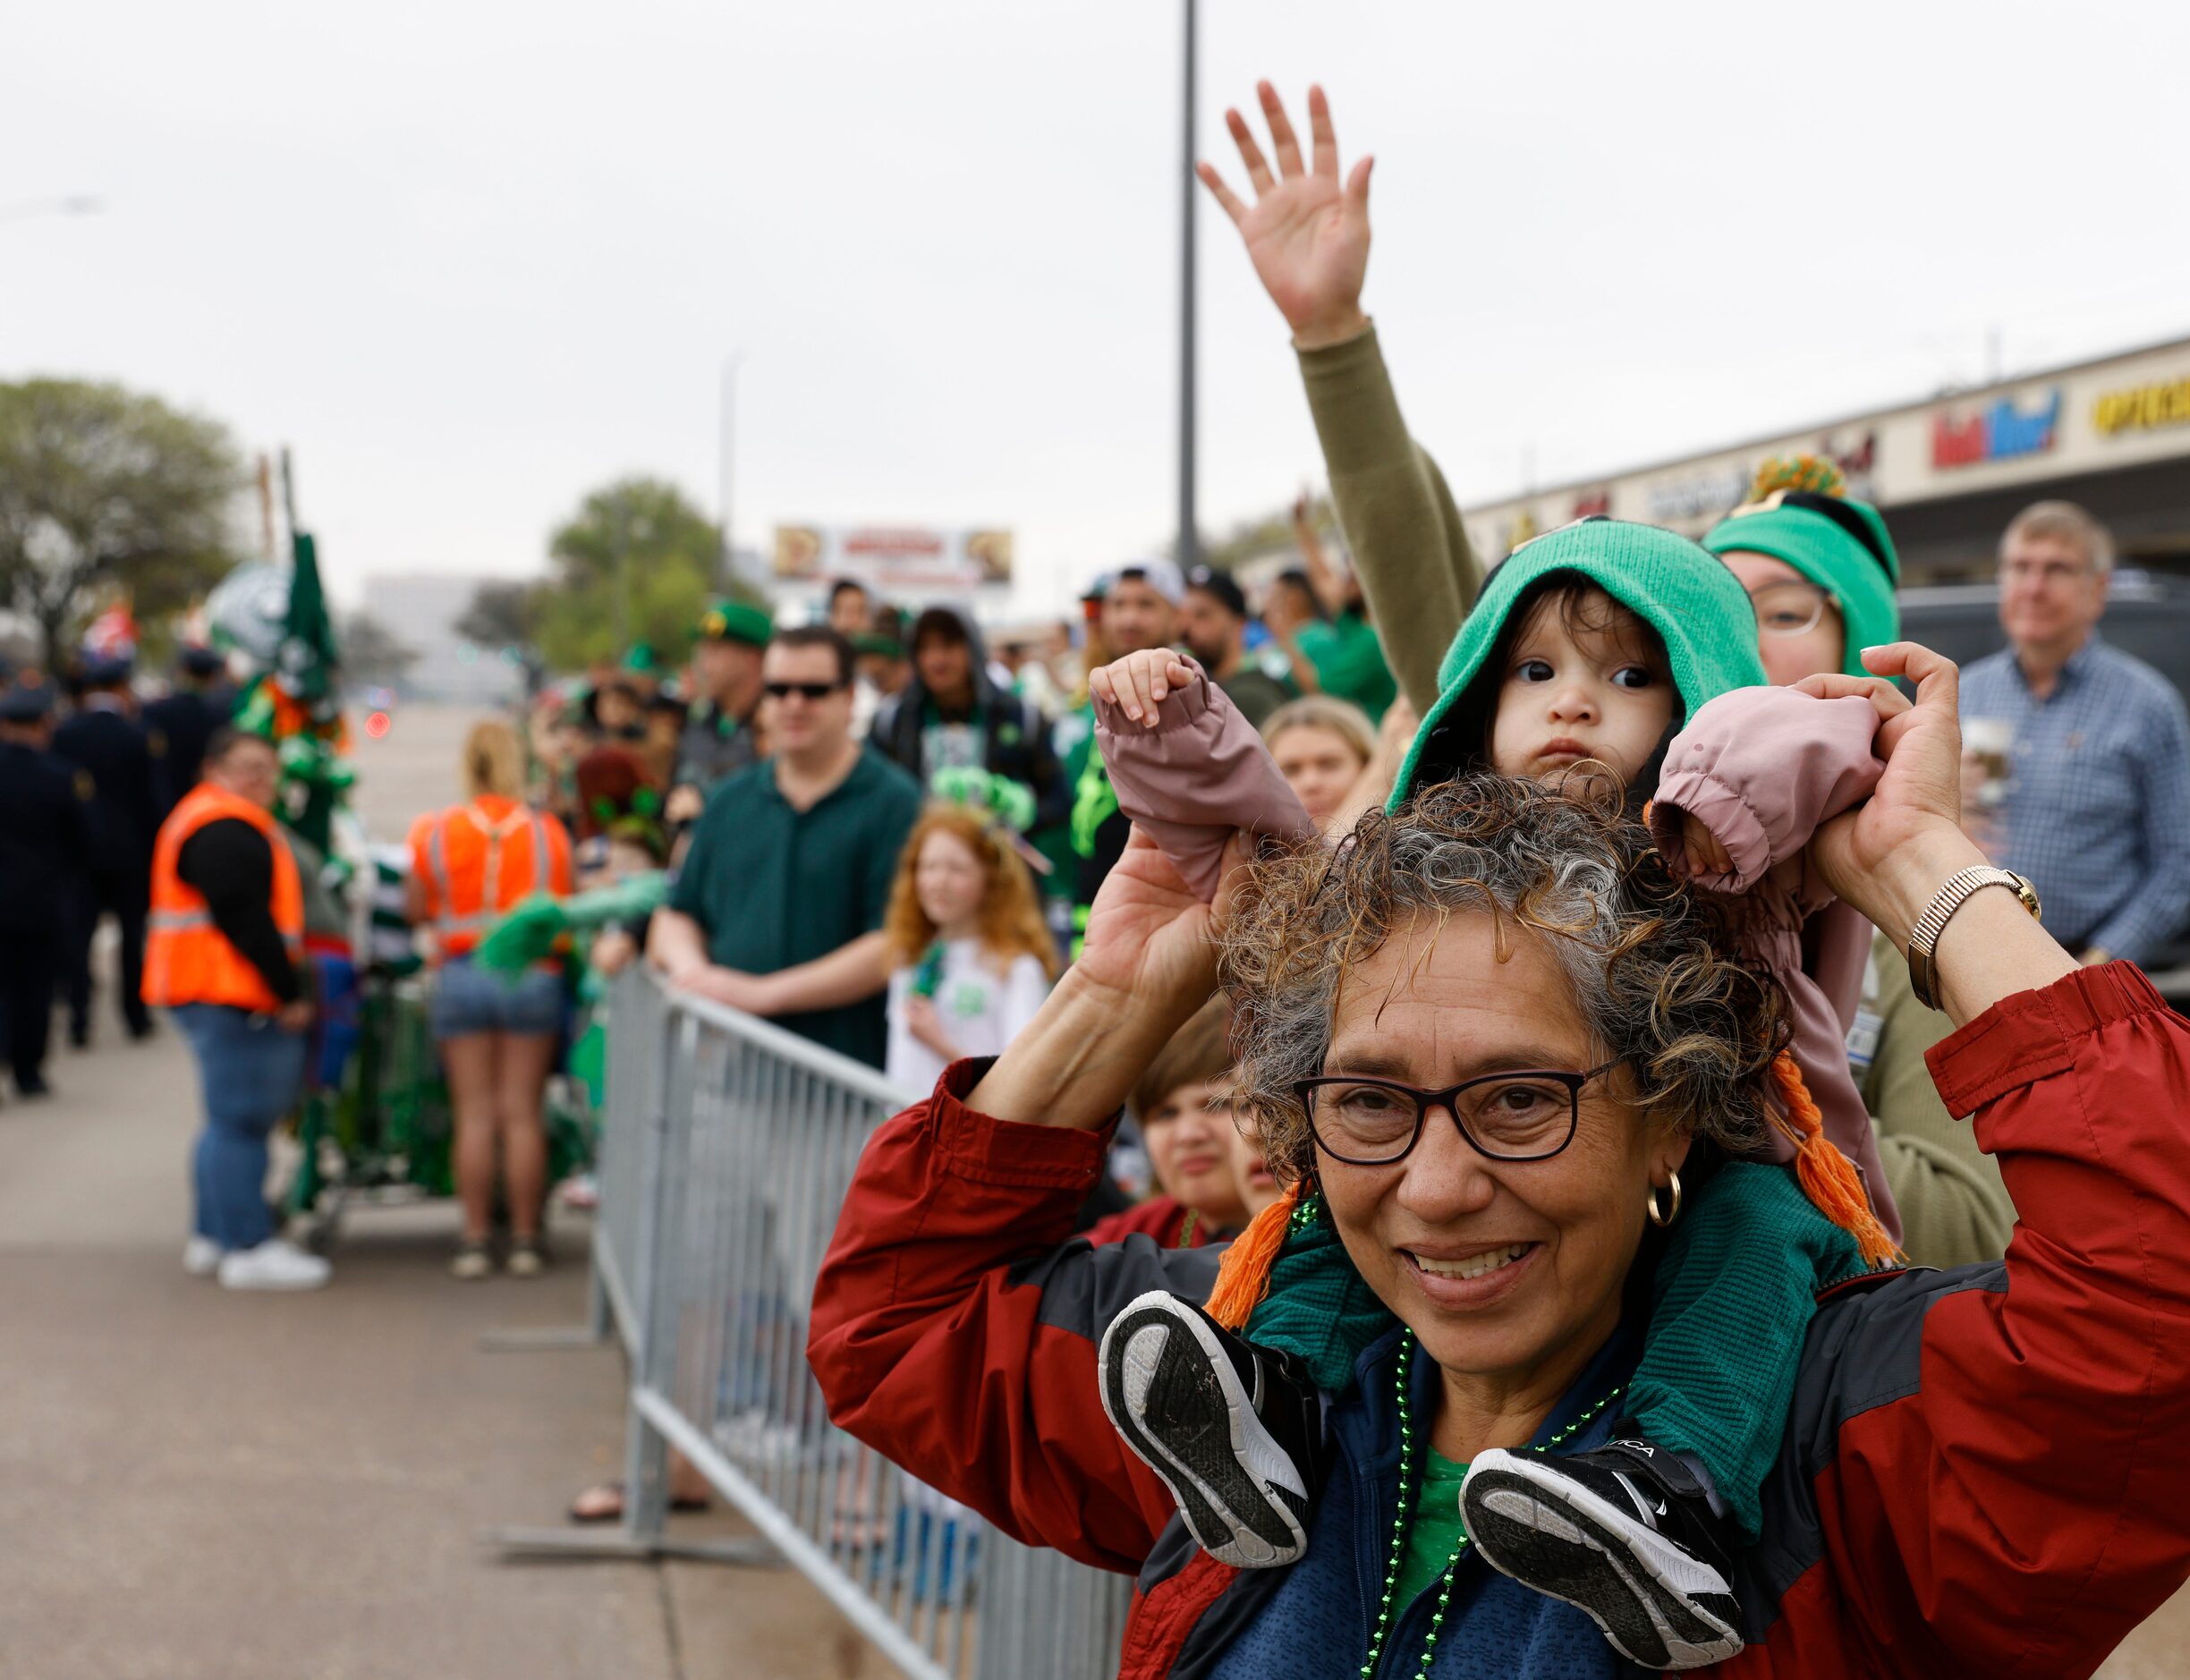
{"points": [[232, 863], [1053, 794]]}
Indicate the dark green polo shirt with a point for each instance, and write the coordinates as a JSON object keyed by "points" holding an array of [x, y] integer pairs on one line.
{"points": [[774, 887]]}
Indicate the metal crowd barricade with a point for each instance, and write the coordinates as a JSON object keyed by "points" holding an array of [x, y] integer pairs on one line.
{"points": [[727, 1146]]}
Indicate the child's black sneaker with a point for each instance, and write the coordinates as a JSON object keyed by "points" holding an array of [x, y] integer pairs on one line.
{"points": [[1233, 1429], [1626, 1532]]}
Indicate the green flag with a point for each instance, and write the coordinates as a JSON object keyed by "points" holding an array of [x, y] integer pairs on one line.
{"points": [[308, 658]]}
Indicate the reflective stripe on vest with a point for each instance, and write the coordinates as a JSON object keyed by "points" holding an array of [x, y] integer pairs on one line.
{"points": [[187, 958], [448, 920]]}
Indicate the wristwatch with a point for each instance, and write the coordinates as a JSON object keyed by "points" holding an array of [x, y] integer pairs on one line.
{"points": [[1961, 885]]}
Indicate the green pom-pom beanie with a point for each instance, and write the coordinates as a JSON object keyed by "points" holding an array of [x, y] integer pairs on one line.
{"points": [[1685, 594], [1840, 545]]}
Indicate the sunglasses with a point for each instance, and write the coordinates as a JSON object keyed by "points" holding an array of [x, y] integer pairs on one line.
{"points": [[811, 690]]}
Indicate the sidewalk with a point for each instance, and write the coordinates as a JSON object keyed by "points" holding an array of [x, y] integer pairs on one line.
{"points": [[264, 1487]]}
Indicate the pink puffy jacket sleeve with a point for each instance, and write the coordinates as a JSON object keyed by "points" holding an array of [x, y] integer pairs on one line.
{"points": [[1761, 768], [1200, 774]]}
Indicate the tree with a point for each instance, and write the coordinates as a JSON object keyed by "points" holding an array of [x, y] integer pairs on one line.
{"points": [[102, 487], [637, 563], [638, 519], [371, 652], [502, 614]]}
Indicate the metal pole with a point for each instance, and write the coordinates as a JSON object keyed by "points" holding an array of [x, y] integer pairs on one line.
{"points": [[1189, 540], [728, 467], [622, 577]]}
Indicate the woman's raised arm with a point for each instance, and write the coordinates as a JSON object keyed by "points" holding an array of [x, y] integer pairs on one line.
{"points": [[2000, 1455]]}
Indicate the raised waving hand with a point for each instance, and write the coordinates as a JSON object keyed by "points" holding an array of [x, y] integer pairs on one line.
{"points": [[1306, 232]]}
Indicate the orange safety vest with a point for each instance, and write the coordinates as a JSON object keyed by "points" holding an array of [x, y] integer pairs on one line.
{"points": [[479, 862], [187, 959]]}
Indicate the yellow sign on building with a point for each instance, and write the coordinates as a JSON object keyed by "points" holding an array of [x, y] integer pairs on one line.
{"points": [[2142, 408]]}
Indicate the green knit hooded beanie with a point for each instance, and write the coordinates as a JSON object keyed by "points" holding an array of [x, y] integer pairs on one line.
{"points": [[1799, 512], [1684, 593]]}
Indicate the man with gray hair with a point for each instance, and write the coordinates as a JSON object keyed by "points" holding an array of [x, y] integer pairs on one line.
{"points": [[2097, 803]]}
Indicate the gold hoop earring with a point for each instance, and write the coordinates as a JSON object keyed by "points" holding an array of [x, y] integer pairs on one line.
{"points": [[1649, 1202]]}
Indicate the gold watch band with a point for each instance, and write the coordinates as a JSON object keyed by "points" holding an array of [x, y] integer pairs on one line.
{"points": [[1959, 888]]}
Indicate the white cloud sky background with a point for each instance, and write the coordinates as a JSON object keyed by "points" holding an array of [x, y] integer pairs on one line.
{"points": [[470, 260]]}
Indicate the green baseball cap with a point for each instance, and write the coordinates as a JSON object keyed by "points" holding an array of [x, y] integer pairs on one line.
{"points": [[1686, 595], [737, 621], [1840, 544]]}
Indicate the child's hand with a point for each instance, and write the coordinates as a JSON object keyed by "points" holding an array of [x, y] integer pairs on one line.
{"points": [[1704, 855], [1137, 683], [926, 1024], [613, 951]]}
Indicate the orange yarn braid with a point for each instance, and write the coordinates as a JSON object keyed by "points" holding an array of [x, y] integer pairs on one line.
{"points": [[1243, 1274], [1827, 1177]]}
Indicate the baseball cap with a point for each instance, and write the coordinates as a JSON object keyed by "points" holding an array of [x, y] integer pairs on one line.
{"points": [[1159, 573], [1216, 581], [736, 621], [28, 698], [105, 670]]}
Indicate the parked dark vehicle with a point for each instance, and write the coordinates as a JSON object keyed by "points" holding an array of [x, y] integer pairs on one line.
{"points": [[2147, 615]]}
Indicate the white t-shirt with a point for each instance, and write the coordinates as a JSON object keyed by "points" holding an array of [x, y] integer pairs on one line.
{"points": [[980, 1011]]}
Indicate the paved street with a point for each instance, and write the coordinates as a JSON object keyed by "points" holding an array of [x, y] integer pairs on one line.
{"points": [[205, 1486]]}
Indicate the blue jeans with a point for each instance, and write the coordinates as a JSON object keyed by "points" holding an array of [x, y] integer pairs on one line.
{"points": [[468, 999], [250, 1072]]}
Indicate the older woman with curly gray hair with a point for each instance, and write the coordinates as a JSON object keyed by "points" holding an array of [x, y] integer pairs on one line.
{"points": [[1982, 1468]]}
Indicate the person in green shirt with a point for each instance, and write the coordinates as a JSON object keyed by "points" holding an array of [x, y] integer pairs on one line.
{"points": [[1319, 615], [777, 908]]}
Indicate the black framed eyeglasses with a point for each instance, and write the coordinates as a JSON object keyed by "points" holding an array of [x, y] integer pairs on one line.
{"points": [[1517, 1114], [811, 690]]}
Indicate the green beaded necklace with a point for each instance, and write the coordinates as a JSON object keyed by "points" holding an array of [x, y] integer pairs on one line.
{"points": [[1404, 1522]]}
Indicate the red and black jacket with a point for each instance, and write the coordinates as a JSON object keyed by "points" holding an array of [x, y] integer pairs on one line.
{"points": [[1986, 1470]]}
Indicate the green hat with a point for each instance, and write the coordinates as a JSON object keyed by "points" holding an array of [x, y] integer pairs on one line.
{"points": [[1695, 605], [736, 621], [1840, 544]]}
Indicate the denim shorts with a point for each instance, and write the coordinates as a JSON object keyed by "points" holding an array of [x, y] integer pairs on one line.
{"points": [[468, 998]]}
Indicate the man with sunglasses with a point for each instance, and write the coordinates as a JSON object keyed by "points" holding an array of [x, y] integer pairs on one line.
{"points": [[777, 908]]}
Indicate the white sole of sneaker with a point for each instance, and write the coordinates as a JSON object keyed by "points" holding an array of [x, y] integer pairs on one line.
{"points": [[272, 1286], [1548, 1531], [1166, 1383]]}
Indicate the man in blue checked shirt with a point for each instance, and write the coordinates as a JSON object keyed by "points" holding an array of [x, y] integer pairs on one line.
{"points": [[2097, 810]]}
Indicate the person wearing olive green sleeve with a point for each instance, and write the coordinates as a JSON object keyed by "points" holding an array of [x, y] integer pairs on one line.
{"points": [[1411, 552], [1954, 1209], [1308, 237]]}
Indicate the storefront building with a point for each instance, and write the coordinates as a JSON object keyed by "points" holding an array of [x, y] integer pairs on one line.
{"points": [[2112, 435]]}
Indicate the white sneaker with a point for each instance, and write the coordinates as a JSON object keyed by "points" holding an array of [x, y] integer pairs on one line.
{"points": [[201, 1256], [274, 1264]]}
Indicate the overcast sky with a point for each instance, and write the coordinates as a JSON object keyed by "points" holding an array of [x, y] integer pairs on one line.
{"points": [[470, 259]]}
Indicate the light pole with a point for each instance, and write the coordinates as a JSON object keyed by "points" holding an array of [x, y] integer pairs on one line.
{"points": [[1189, 539], [727, 465], [29, 209]]}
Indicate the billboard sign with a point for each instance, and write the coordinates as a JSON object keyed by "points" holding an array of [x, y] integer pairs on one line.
{"points": [[896, 559]]}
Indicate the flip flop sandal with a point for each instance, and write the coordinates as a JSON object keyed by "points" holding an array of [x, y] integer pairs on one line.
{"points": [[584, 1508]]}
